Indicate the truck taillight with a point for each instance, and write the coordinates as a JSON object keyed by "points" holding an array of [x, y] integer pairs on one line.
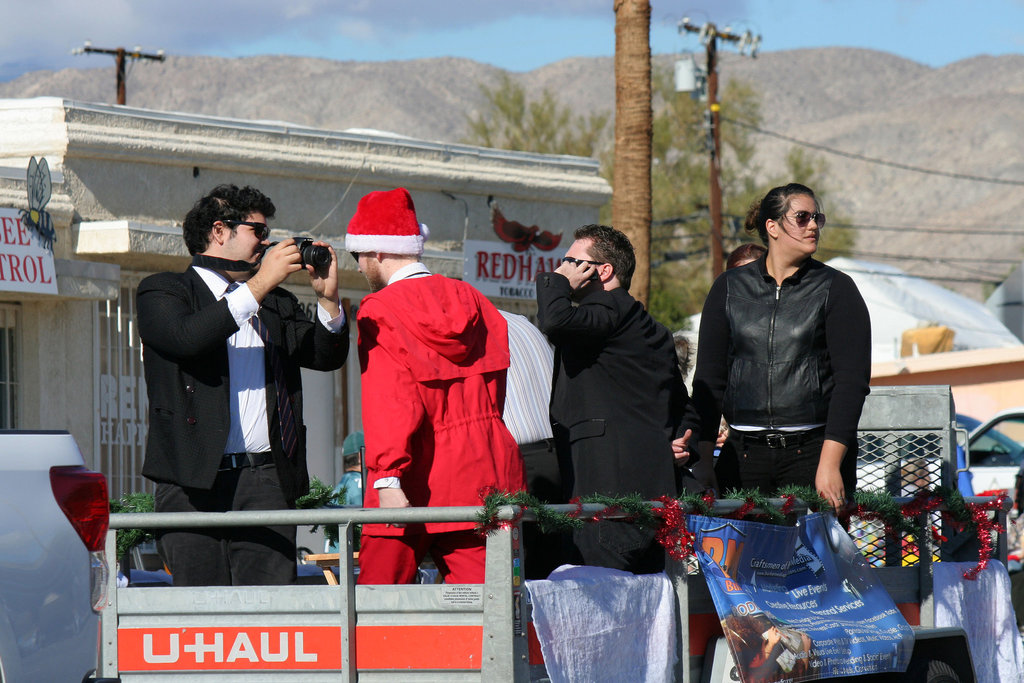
{"points": [[82, 495]]}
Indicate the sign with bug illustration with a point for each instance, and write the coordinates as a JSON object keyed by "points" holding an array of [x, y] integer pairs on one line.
{"points": [[27, 237]]}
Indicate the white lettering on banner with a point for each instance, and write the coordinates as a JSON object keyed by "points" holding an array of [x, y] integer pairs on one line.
{"points": [[200, 649], [241, 649], [25, 265], [152, 657], [496, 269], [282, 648], [301, 656]]}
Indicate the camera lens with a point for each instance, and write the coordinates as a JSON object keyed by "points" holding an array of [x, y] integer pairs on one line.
{"points": [[314, 255]]}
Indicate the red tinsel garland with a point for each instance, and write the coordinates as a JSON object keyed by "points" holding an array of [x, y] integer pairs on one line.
{"points": [[673, 534]]}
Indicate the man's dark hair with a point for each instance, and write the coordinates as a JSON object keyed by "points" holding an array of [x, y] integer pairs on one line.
{"points": [[608, 245], [222, 203]]}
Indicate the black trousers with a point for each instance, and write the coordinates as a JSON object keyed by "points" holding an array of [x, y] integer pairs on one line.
{"points": [[746, 464], [228, 556], [543, 552]]}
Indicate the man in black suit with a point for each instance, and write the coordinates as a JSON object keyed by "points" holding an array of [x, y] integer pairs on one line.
{"points": [[222, 347], [617, 400]]}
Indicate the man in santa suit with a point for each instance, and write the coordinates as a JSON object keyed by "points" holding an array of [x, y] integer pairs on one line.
{"points": [[434, 354]]}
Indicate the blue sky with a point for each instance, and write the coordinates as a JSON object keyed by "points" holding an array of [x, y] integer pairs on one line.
{"points": [[518, 35]]}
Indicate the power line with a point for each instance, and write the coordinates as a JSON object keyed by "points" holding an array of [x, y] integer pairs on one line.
{"points": [[937, 259], [961, 229], [873, 160], [1011, 232]]}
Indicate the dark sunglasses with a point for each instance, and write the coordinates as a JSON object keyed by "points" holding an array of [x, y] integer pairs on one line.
{"points": [[260, 230], [802, 218], [579, 261]]}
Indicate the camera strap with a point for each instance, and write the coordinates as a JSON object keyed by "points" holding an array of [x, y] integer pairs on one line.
{"points": [[215, 263]]}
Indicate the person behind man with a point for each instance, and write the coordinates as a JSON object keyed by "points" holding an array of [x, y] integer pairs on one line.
{"points": [[222, 347], [434, 355], [527, 395], [351, 483], [618, 400], [747, 252]]}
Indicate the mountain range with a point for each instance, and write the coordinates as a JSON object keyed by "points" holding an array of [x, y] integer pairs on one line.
{"points": [[925, 161]]}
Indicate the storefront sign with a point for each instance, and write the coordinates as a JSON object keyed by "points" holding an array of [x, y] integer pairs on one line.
{"points": [[509, 268], [497, 270], [27, 237]]}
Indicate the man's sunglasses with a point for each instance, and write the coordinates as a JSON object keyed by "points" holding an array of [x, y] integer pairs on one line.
{"points": [[802, 218], [580, 261], [260, 230]]}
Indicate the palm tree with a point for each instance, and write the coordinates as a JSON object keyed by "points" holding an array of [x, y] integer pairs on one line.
{"points": [[631, 177]]}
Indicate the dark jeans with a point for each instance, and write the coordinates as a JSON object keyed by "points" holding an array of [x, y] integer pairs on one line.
{"points": [[747, 464], [620, 545], [228, 556]]}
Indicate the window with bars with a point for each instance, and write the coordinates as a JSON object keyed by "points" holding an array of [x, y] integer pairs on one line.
{"points": [[120, 392], [9, 366]]}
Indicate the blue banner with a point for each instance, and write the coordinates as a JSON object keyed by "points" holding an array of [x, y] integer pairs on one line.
{"points": [[799, 603]]}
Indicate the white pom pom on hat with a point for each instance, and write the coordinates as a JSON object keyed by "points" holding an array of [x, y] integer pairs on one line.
{"points": [[385, 222]]}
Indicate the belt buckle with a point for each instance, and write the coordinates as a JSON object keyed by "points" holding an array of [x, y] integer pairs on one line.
{"points": [[775, 440], [235, 460]]}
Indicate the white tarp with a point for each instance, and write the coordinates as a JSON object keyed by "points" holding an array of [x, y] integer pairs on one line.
{"points": [[898, 302]]}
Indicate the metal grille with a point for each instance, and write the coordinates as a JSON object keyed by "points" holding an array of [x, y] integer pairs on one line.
{"points": [[901, 464], [121, 401], [8, 367]]}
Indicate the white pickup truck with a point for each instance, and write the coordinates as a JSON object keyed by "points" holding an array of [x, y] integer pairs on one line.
{"points": [[53, 521]]}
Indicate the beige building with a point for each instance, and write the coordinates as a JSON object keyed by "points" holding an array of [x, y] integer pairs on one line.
{"points": [[983, 381], [122, 180]]}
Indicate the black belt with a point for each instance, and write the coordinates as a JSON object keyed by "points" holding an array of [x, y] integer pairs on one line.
{"points": [[780, 439], [234, 461]]}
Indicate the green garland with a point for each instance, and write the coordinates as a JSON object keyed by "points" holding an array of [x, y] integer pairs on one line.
{"points": [[129, 538], [906, 519], [320, 495]]}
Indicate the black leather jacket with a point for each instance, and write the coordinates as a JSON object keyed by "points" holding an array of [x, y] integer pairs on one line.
{"points": [[775, 356], [780, 373]]}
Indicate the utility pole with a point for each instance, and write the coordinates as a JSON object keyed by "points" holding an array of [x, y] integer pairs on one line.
{"points": [[709, 34], [119, 54]]}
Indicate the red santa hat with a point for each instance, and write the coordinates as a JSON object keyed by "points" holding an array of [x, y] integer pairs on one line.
{"points": [[386, 222]]}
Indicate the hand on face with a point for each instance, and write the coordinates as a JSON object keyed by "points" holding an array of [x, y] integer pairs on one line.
{"points": [[580, 268], [578, 274]]}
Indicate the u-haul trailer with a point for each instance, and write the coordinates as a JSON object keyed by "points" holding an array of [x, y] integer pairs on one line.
{"points": [[453, 633]]}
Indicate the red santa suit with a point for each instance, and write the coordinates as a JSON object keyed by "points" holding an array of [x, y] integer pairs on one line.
{"points": [[434, 354]]}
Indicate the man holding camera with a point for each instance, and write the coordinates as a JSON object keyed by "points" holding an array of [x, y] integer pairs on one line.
{"points": [[222, 348]]}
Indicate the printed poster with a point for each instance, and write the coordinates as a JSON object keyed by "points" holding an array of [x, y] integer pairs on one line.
{"points": [[799, 603]]}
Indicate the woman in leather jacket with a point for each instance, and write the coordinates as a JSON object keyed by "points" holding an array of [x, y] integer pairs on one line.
{"points": [[784, 353]]}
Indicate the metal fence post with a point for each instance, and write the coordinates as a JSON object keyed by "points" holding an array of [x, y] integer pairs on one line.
{"points": [[347, 603], [108, 619], [504, 652]]}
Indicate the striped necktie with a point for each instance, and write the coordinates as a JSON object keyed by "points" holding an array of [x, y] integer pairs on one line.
{"points": [[285, 416]]}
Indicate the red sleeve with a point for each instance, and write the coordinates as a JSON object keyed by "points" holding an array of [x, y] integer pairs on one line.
{"points": [[386, 385]]}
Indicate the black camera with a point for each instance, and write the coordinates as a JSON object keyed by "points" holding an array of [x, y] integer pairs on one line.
{"points": [[313, 255]]}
